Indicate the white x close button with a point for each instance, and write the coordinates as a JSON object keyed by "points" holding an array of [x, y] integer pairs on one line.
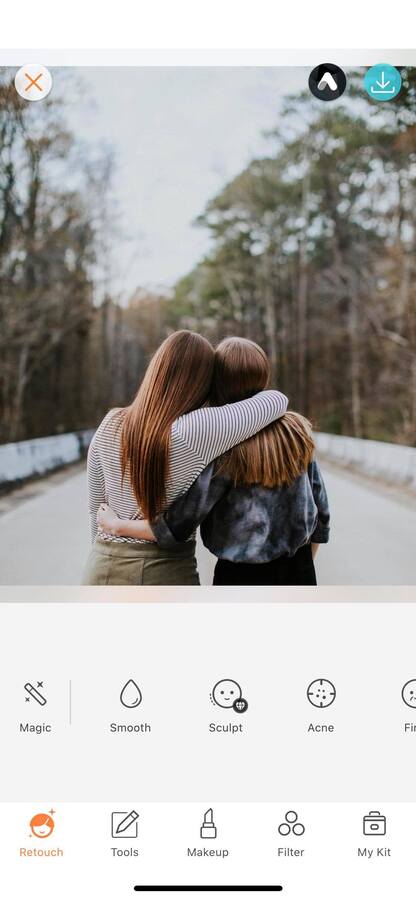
{"points": [[33, 82]]}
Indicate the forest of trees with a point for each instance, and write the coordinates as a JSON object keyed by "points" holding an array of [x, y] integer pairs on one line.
{"points": [[315, 257], [67, 350], [313, 254]]}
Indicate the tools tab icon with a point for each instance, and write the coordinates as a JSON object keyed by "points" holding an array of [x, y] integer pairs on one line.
{"points": [[125, 824]]}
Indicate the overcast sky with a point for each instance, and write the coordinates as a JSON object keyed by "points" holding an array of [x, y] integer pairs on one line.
{"points": [[179, 135]]}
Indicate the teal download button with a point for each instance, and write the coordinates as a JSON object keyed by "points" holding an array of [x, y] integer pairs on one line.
{"points": [[383, 82]]}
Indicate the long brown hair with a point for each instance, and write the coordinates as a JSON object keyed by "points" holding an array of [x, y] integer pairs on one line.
{"points": [[278, 454], [177, 381]]}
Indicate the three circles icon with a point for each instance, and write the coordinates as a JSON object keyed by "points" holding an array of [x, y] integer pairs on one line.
{"points": [[291, 825]]}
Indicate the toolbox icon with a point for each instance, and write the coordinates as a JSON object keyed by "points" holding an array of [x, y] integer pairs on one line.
{"points": [[374, 824]]}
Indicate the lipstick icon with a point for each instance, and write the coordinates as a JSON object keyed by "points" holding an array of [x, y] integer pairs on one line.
{"points": [[208, 828]]}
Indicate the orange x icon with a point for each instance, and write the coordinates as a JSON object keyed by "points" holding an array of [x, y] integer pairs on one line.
{"points": [[33, 82]]}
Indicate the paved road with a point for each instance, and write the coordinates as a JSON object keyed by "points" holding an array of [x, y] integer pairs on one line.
{"points": [[44, 539]]}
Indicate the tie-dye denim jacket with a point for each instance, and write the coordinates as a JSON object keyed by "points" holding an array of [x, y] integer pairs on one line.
{"points": [[248, 524]]}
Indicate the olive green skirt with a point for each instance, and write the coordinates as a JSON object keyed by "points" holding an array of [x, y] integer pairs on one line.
{"points": [[117, 563]]}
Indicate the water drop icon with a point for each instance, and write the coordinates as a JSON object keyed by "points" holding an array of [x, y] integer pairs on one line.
{"points": [[131, 695]]}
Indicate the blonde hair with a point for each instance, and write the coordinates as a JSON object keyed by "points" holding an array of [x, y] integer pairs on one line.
{"points": [[282, 451]]}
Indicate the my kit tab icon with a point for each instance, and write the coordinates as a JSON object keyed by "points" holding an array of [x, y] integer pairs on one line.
{"points": [[374, 824]]}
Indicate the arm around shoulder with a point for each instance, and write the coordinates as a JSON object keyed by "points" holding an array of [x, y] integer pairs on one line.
{"points": [[213, 430]]}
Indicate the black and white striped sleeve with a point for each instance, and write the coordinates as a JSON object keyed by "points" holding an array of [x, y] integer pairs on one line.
{"points": [[211, 431], [96, 487]]}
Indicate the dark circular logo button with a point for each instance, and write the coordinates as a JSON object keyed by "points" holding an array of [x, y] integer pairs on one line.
{"points": [[327, 81]]}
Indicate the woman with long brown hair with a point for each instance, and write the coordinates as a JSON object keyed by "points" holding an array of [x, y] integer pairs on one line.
{"points": [[262, 505], [145, 455]]}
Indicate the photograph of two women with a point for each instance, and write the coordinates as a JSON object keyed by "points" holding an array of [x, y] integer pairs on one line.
{"points": [[208, 330]]}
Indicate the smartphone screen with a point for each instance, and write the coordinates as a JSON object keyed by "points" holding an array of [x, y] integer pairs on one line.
{"points": [[207, 474]]}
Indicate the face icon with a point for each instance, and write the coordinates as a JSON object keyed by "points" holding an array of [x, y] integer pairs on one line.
{"points": [[226, 692], [42, 825], [409, 693]]}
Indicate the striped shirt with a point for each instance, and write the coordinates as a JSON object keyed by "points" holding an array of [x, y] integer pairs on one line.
{"points": [[197, 438]]}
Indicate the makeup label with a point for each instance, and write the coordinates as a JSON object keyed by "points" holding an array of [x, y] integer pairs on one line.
{"points": [[204, 851]]}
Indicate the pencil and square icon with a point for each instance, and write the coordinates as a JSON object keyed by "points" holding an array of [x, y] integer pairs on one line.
{"points": [[125, 824]]}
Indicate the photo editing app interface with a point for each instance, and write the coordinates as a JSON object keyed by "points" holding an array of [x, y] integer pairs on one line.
{"points": [[208, 477]]}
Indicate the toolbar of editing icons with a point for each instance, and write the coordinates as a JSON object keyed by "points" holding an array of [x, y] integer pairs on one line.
{"points": [[226, 693], [327, 81]]}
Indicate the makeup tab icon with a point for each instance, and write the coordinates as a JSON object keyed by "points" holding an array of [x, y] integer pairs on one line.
{"points": [[33, 693], [208, 828]]}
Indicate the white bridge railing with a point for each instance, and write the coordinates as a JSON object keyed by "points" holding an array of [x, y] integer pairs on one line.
{"points": [[30, 459], [393, 463]]}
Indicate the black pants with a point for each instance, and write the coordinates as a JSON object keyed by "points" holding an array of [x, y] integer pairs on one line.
{"points": [[287, 570]]}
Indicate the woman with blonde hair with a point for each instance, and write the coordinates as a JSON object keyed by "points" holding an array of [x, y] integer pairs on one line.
{"points": [[145, 455], [262, 505]]}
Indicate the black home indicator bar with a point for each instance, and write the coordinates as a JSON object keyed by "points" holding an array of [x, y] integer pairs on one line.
{"points": [[265, 888]]}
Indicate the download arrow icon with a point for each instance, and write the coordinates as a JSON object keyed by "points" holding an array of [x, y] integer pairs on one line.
{"points": [[383, 83]]}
